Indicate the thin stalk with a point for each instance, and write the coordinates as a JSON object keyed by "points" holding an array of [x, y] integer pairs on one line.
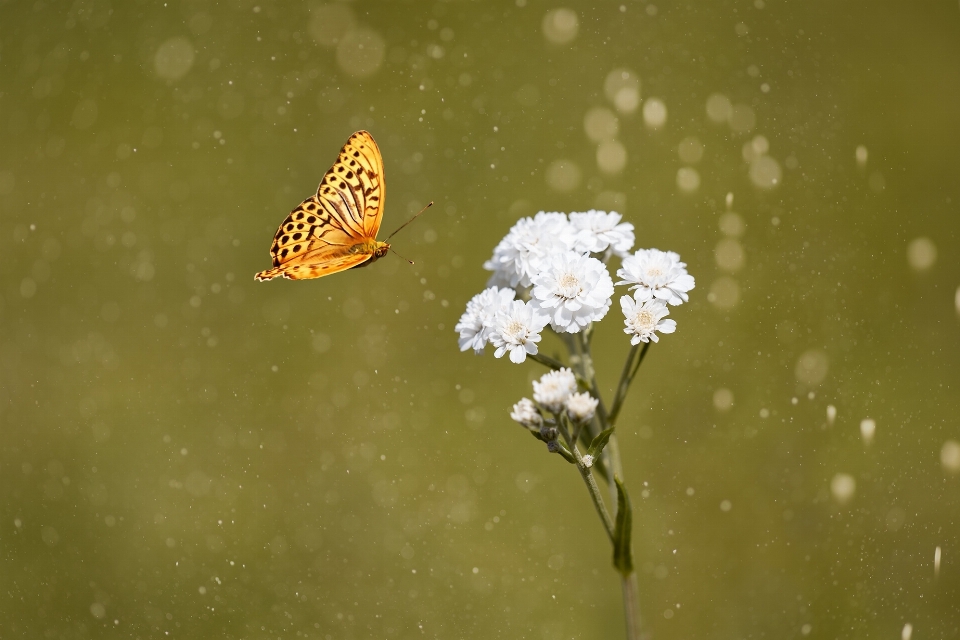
{"points": [[546, 361], [588, 479], [612, 461], [611, 453], [578, 346], [631, 605], [626, 378]]}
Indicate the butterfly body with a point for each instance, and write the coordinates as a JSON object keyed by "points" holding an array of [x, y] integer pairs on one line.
{"points": [[336, 229]]}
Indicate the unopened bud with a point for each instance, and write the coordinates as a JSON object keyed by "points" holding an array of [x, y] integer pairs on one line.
{"points": [[548, 433], [581, 407], [526, 413]]}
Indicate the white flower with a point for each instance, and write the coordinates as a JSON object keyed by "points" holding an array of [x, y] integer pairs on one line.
{"points": [[515, 259], [574, 289], [517, 329], [476, 324], [526, 413], [599, 230], [581, 407], [587, 461], [644, 318], [553, 389], [656, 274]]}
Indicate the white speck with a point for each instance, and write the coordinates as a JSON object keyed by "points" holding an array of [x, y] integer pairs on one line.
{"points": [[861, 154], [831, 414], [936, 563], [843, 486], [907, 632], [950, 456], [921, 253], [726, 505], [868, 428], [654, 113]]}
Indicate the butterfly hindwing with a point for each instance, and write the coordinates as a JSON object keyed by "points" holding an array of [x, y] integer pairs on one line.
{"points": [[308, 229], [308, 270]]}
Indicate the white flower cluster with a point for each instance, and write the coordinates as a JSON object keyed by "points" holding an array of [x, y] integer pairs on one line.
{"points": [[555, 392], [657, 278], [550, 260], [518, 259], [551, 269]]}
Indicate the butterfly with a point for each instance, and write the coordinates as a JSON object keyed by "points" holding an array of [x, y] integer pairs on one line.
{"points": [[336, 229]]}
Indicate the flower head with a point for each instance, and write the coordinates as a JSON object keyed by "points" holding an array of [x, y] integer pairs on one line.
{"points": [[553, 389], [526, 413], [581, 407], [598, 230], [515, 259], [477, 322], [574, 289], [656, 274], [517, 329], [642, 319]]}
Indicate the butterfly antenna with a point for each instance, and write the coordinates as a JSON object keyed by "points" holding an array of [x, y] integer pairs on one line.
{"points": [[429, 204], [395, 251]]}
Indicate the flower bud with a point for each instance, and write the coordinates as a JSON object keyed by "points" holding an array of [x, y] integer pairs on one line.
{"points": [[526, 413], [548, 433], [553, 446], [553, 389], [581, 407]]}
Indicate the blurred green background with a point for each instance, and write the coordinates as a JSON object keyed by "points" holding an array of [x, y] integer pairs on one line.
{"points": [[186, 453]]}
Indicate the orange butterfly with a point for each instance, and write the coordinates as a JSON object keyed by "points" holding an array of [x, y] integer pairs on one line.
{"points": [[336, 229]]}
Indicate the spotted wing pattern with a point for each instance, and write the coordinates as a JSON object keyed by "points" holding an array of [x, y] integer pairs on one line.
{"points": [[346, 211]]}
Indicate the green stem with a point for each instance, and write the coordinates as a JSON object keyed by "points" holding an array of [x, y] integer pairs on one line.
{"points": [[631, 605], [581, 362], [611, 453], [546, 361], [588, 478], [629, 372]]}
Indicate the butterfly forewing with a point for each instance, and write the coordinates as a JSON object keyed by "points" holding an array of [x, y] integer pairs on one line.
{"points": [[353, 189], [321, 236]]}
